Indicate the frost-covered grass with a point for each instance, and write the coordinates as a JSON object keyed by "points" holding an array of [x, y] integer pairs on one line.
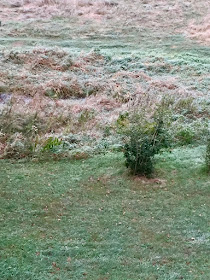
{"points": [[92, 220]]}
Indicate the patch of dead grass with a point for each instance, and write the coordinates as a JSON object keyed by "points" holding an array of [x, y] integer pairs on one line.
{"points": [[201, 32], [39, 9]]}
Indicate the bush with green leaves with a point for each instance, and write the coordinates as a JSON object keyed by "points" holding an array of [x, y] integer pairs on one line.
{"points": [[145, 140]]}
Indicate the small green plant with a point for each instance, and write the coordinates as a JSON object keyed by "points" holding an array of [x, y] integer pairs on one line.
{"points": [[145, 140], [123, 120], [85, 116], [185, 136], [51, 143], [107, 131]]}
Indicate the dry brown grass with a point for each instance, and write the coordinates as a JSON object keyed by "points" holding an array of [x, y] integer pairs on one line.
{"points": [[26, 9], [201, 31], [83, 93], [161, 16]]}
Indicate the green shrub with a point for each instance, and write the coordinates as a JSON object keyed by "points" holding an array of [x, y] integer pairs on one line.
{"points": [[145, 140], [185, 131], [185, 136]]}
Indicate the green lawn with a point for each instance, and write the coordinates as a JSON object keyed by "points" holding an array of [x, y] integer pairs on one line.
{"points": [[91, 220]]}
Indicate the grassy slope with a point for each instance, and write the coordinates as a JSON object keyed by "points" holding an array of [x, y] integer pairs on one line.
{"points": [[146, 50], [91, 220], [144, 29]]}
